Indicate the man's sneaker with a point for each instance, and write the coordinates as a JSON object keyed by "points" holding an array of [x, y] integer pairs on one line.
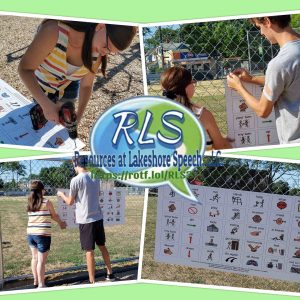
{"points": [[110, 277]]}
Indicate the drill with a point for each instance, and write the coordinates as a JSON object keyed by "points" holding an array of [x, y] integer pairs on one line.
{"points": [[67, 117]]}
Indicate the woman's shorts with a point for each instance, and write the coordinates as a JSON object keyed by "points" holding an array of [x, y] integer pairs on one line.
{"points": [[71, 93], [40, 242]]}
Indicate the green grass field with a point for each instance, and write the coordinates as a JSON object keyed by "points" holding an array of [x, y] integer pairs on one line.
{"points": [[169, 272], [209, 93], [122, 240]]}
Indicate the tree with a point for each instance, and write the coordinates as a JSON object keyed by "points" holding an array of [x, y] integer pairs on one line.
{"points": [[57, 177], [16, 169], [225, 38], [280, 187], [1, 183], [259, 176], [295, 192], [295, 21], [161, 35]]}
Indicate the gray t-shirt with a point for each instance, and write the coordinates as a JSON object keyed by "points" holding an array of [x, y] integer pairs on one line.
{"points": [[282, 86], [86, 193]]}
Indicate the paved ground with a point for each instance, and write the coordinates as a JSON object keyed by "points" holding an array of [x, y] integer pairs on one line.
{"points": [[124, 70], [123, 273]]}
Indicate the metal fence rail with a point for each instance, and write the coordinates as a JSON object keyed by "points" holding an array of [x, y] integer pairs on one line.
{"points": [[123, 241], [210, 51]]}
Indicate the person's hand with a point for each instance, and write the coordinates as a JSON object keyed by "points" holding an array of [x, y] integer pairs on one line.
{"points": [[234, 82], [63, 225], [243, 74], [51, 112], [230, 140], [60, 194]]}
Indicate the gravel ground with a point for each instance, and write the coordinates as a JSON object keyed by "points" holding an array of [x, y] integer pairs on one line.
{"points": [[124, 71]]}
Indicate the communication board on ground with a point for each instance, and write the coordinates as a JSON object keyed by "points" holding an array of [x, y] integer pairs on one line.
{"points": [[16, 126]]}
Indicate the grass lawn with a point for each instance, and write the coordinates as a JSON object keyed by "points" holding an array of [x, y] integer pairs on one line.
{"points": [[122, 240], [209, 93], [169, 272]]}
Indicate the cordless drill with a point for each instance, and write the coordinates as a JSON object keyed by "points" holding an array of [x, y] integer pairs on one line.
{"points": [[67, 117]]}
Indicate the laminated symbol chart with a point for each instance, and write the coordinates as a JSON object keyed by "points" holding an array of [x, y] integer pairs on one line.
{"points": [[111, 202], [244, 126], [16, 126], [66, 212], [234, 231]]}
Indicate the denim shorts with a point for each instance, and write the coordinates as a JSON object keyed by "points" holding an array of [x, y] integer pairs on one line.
{"points": [[40, 242], [71, 93]]}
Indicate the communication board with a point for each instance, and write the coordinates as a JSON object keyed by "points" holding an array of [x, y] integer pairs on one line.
{"points": [[234, 231]]}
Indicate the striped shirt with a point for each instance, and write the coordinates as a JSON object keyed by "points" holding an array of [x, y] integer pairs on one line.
{"points": [[39, 222], [52, 74]]}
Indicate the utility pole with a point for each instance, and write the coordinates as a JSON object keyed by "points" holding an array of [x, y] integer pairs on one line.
{"points": [[249, 52], [162, 48]]}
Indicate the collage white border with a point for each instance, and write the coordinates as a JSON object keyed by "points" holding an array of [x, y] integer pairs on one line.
{"points": [[63, 154]]}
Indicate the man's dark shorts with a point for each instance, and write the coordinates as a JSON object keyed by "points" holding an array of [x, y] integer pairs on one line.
{"points": [[91, 234]]}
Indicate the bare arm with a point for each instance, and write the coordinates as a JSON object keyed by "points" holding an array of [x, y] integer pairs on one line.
{"points": [[262, 107], [86, 88], [43, 43], [68, 199], [209, 122], [85, 92], [245, 76], [55, 216]]}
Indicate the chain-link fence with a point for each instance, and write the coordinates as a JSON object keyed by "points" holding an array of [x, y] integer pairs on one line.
{"points": [[123, 241], [210, 51], [247, 175]]}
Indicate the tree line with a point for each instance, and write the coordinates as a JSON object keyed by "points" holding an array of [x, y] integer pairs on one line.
{"points": [[222, 39], [53, 176]]}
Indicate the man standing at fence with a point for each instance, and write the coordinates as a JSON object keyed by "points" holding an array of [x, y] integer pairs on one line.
{"points": [[281, 82], [84, 191]]}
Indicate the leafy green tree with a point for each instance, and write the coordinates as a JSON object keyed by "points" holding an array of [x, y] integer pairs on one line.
{"points": [[16, 169], [259, 176], [1, 183], [295, 21], [57, 176], [295, 192], [280, 187], [224, 38], [161, 35]]}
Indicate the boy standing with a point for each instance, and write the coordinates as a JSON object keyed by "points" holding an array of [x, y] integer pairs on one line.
{"points": [[281, 82], [85, 193]]}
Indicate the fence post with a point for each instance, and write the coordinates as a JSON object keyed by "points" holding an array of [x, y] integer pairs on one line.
{"points": [[249, 52], [1, 260]]}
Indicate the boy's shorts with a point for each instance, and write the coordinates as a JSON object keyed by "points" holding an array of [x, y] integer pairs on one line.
{"points": [[40, 242], [91, 234]]}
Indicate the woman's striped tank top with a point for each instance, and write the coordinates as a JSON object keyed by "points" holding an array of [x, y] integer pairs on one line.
{"points": [[39, 222], [52, 74]]}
